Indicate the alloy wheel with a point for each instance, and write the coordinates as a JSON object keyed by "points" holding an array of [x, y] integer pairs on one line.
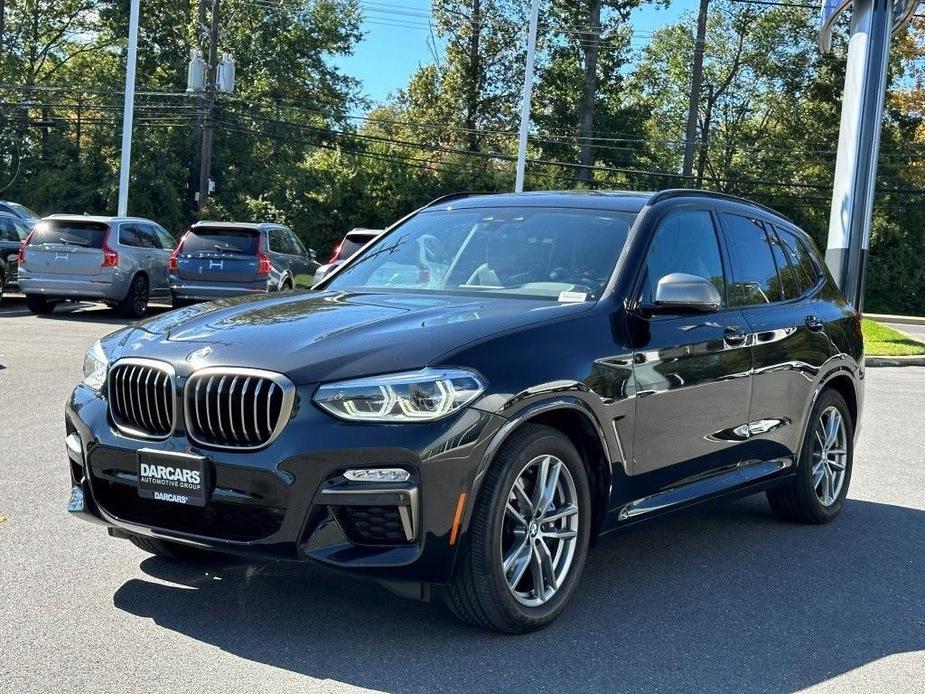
{"points": [[539, 531], [830, 455]]}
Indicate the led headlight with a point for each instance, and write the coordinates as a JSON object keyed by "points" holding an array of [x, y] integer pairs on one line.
{"points": [[96, 364], [416, 396]]}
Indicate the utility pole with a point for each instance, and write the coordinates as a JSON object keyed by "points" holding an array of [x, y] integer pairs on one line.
{"points": [[128, 108], [696, 80], [859, 145], [528, 96], [205, 153]]}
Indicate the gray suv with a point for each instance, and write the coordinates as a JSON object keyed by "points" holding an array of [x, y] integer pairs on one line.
{"points": [[219, 259], [121, 261], [13, 231]]}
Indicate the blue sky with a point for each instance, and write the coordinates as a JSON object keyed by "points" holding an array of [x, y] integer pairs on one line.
{"points": [[397, 38]]}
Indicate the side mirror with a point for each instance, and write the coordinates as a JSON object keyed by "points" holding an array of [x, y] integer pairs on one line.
{"points": [[682, 292]]}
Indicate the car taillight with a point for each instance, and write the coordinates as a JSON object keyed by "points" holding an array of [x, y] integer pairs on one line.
{"points": [[172, 260], [21, 256], [263, 260], [110, 257], [336, 253]]}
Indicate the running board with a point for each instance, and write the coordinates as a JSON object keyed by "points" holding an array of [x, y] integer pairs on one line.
{"points": [[705, 486]]}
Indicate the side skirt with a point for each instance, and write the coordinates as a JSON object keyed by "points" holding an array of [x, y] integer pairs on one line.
{"points": [[743, 476]]}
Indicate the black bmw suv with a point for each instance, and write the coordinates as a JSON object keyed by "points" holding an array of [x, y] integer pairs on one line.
{"points": [[494, 383]]}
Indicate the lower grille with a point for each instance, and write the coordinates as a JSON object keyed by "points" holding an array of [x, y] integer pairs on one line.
{"points": [[371, 525], [142, 399], [225, 521], [237, 408]]}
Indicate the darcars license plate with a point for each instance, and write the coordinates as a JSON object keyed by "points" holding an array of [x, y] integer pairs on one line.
{"points": [[176, 478]]}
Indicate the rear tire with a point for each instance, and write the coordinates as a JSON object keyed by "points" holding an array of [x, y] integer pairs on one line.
{"points": [[39, 305], [508, 527], [818, 491], [135, 302], [172, 550]]}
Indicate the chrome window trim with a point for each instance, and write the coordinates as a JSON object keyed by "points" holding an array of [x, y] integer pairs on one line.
{"points": [[162, 366], [286, 409]]}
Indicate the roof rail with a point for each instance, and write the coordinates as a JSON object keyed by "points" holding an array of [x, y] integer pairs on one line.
{"points": [[453, 196], [695, 192]]}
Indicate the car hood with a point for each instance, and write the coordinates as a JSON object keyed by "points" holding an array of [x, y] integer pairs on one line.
{"points": [[324, 336]]}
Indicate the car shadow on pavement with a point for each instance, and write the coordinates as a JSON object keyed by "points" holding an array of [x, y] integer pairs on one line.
{"points": [[721, 599], [85, 312]]}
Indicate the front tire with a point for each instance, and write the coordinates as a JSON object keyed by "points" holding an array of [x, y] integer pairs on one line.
{"points": [[818, 491], [528, 537], [135, 302], [173, 551]]}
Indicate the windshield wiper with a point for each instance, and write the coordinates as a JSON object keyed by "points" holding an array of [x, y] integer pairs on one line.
{"points": [[73, 242], [227, 248]]}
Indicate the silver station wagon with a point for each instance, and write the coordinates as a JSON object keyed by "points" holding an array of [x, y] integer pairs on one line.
{"points": [[121, 261]]}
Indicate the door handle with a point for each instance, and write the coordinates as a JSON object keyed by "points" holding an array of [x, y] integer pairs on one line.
{"points": [[814, 324], [733, 335]]}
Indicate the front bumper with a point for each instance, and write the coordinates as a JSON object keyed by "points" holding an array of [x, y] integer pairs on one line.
{"points": [[290, 500]]}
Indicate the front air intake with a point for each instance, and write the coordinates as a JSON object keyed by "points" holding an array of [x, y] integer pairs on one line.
{"points": [[142, 398], [237, 408]]}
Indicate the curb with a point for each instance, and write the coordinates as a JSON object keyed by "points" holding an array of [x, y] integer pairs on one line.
{"points": [[888, 318], [918, 360]]}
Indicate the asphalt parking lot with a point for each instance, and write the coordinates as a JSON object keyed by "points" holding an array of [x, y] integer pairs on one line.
{"points": [[722, 599]]}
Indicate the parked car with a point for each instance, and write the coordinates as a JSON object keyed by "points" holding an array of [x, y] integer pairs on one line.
{"points": [[13, 231], [354, 240], [121, 261], [19, 211], [220, 259], [577, 364]]}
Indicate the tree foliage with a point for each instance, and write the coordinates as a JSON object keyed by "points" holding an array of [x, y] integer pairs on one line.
{"points": [[298, 143]]}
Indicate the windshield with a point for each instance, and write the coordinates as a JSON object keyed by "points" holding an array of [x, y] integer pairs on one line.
{"points": [[565, 254]]}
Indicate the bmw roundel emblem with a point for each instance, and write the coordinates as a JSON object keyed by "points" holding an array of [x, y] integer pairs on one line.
{"points": [[199, 354]]}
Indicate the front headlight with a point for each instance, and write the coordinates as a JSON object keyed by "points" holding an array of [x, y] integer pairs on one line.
{"points": [[416, 396], [96, 364]]}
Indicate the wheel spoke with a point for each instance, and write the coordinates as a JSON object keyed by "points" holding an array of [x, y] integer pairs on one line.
{"points": [[536, 569], [832, 429], [820, 438], [836, 464], [818, 474], [515, 515], [560, 533], [516, 563], [523, 500], [560, 513], [539, 486], [549, 573], [549, 488]]}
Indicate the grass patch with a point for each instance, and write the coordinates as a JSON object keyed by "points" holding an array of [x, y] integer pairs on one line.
{"points": [[881, 341]]}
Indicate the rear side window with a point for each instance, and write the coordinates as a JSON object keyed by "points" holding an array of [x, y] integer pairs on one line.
{"points": [[685, 241], [804, 268], [789, 285], [221, 240], [138, 236], [7, 230], [86, 234], [754, 272], [281, 242]]}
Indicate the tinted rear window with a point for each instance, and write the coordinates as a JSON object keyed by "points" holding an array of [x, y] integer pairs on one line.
{"points": [[353, 243], [241, 241], [86, 234]]}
